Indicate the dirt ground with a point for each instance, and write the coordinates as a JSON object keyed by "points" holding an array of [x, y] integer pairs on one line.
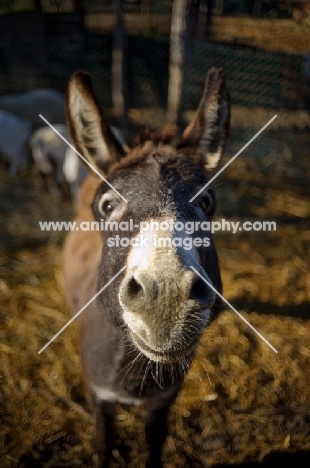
{"points": [[241, 402], [270, 34]]}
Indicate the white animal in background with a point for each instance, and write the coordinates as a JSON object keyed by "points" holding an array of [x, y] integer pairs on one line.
{"points": [[74, 172], [53, 156], [48, 151], [28, 105], [14, 136]]}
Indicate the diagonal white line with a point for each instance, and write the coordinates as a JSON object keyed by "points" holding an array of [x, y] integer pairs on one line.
{"points": [[235, 310], [80, 311], [236, 155], [82, 157]]}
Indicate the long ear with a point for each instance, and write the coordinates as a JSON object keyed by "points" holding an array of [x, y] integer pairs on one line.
{"points": [[205, 138], [88, 126]]}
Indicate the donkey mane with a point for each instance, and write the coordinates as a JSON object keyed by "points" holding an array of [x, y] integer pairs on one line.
{"points": [[164, 135]]}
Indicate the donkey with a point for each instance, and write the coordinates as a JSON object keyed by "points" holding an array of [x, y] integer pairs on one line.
{"points": [[138, 338]]}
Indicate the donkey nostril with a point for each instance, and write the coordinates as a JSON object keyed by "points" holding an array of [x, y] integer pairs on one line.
{"points": [[200, 291], [133, 288]]}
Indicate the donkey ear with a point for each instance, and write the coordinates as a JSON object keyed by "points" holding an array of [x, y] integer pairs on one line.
{"points": [[205, 137], [88, 126]]}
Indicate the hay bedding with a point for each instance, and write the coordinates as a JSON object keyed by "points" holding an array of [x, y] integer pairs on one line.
{"points": [[240, 400]]}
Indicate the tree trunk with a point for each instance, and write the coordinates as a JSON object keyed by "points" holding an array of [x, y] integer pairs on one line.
{"points": [[177, 52], [38, 6], [119, 49], [257, 7], [203, 19], [146, 15], [209, 18]]}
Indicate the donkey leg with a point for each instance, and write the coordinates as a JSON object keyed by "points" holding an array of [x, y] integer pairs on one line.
{"points": [[105, 433], [156, 429]]}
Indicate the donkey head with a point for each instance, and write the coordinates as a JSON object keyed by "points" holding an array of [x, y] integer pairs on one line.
{"points": [[159, 300]]}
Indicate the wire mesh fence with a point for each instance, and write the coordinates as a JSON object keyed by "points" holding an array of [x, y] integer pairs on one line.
{"points": [[255, 78], [49, 48]]}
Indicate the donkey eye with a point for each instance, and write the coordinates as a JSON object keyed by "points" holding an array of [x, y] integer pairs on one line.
{"points": [[106, 206], [110, 207]]}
